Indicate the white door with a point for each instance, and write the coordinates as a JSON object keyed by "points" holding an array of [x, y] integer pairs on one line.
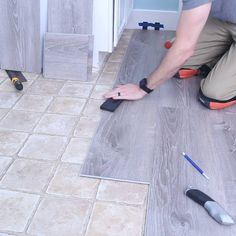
{"points": [[122, 10], [109, 20], [102, 28]]}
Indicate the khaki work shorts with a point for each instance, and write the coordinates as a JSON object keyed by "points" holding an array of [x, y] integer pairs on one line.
{"points": [[217, 49]]}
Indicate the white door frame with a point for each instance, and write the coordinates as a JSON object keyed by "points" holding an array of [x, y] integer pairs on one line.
{"points": [[122, 10], [102, 28], [108, 24]]}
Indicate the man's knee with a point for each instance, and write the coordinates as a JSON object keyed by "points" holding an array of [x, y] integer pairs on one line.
{"points": [[216, 92], [210, 92]]}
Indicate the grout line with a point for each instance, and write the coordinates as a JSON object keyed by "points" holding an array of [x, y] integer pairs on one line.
{"points": [[68, 137], [87, 225], [58, 163], [33, 214], [115, 179], [7, 168], [146, 210]]}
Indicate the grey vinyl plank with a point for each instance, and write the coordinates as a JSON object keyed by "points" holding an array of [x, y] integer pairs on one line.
{"points": [[67, 56], [70, 16], [20, 42], [225, 143], [118, 150], [204, 137], [119, 140], [143, 55], [177, 93]]}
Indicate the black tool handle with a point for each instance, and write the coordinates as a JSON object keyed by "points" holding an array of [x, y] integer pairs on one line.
{"points": [[198, 196], [17, 74], [111, 104], [18, 85]]}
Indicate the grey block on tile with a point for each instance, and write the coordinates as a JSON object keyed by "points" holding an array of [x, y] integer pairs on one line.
{"points": [[70, 16], [68, 56], [20, 41]]}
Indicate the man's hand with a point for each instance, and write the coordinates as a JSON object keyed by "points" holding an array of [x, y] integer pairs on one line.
{"points": [[126, 92]]}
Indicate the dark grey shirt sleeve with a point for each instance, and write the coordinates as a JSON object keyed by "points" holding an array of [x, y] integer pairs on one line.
{"points": [[190, 4]]}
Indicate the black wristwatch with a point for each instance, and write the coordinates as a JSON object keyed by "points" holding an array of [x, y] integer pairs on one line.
{"points": [[143, 86]]}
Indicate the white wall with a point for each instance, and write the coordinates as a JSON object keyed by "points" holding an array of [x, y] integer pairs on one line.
{"points": [[167, 5], [168, 18]]}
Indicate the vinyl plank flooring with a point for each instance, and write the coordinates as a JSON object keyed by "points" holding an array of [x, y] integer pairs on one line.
{"points": [[67, 56], [225, 143], [144, 54], [143, 141], [203, 137], [20, 35], [119, 141], [70, 16], [177, 93]]}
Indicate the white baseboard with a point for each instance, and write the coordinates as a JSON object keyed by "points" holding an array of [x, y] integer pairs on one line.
{"points": [[168, 18]]}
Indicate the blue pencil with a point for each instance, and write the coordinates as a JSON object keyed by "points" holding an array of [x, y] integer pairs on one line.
{"points": [[195, 165]]}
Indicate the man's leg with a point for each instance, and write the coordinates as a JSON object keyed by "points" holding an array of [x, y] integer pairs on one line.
{"points": [[218, 90], [214, 41]]}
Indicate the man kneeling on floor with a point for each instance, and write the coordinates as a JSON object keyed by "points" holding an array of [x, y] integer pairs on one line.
{"points": [[205, 39]]}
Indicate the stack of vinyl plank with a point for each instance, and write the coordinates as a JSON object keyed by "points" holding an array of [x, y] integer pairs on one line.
{"points": [[20, 32], [68, 49]]}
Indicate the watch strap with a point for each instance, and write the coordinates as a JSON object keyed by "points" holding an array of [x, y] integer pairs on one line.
{"points": [[143, 86]]}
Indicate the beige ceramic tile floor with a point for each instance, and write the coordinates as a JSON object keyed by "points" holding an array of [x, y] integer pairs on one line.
{"points": [[45, 133]]}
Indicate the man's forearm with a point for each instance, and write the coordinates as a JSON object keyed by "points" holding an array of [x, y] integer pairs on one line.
{"points": [[183, 48], [172, 62]]}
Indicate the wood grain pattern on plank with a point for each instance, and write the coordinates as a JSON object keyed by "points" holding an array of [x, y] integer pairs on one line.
{"points": [[143, 142], [178, 93], [70, 16], [122, 148], [66, 56], [225, 144], [20, 35], [170, 212], [120, 139]]}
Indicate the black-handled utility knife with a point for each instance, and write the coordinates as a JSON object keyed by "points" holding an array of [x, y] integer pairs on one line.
{"points": [[213, 208]]}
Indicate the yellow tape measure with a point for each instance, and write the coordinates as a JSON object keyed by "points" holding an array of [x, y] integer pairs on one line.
{"points": [[14, 80]]}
